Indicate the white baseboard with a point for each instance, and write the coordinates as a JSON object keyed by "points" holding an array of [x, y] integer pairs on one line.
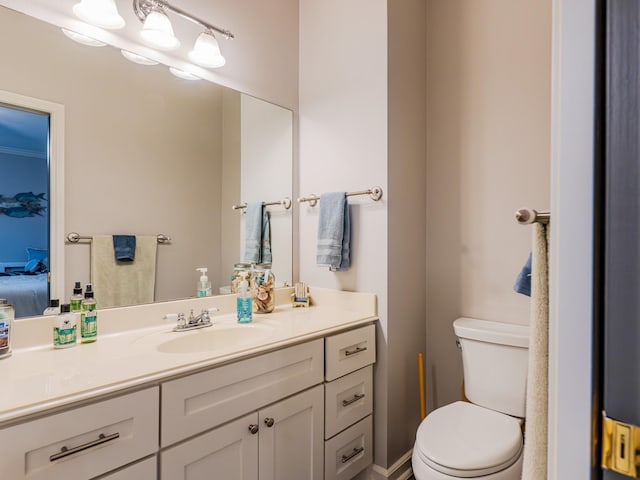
{"points": [[400, 470]]}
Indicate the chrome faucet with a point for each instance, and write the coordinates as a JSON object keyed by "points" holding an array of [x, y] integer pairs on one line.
{"points": [[202, 320]]}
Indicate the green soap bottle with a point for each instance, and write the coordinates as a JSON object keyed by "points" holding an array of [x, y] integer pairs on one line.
{"points": [[88, 317], [76, 299]]}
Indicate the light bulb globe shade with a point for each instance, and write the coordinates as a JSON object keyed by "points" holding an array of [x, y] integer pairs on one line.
{"points": [[136, 58], [83, 39], [206, 52], [182, 74], [101, 13], [157, 31]]}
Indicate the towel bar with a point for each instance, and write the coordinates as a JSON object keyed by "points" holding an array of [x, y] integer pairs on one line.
{"points": [[285, 202], [374, 192], [527, 216], [74, 237]]}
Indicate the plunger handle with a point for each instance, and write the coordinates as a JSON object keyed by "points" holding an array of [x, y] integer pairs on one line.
{"points": [[423, 412]]}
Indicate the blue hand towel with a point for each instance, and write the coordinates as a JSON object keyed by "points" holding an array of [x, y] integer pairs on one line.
{"points": [[523, 282], [257, 245], [124, 247], [253, 233], [265, 251], [334, 232], [345, 261]]}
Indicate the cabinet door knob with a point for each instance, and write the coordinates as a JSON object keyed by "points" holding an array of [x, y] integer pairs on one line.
{"points": [[253, 428], [269, 422]]}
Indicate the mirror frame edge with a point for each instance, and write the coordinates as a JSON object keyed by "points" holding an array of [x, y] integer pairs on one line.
{"points": [[56, 183]]}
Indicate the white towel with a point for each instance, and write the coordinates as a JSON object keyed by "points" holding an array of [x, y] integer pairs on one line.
{"points": [[535, 435], [119, 283]]}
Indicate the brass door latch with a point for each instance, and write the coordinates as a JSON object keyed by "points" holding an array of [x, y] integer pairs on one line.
{"points": [[620, 447]]}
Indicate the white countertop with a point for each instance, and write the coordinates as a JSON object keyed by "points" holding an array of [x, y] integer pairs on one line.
{"points": [[136, 348]]}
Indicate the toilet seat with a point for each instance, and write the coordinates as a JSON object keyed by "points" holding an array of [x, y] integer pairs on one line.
{"points": [[465, 440]]}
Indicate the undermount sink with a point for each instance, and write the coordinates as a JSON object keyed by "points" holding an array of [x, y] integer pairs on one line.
{"points": [[217, 337]]}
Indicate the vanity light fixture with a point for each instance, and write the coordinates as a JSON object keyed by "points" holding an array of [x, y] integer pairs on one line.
{"points": [[101, 13], [206, 51], [139, 59], [182, 74], [83, 39], [157, 30]]}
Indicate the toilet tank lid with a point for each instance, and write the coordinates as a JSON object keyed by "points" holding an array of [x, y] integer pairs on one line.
{"points": [[492, 332]]}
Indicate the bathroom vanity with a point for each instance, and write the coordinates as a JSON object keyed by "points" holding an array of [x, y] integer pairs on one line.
{"points": [[289, 396]]}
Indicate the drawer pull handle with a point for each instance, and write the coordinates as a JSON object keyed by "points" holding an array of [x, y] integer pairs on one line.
{"points": [[65, 452], [253, 428], [356, 451], [269, 422], [355, 398], [348, 353]]}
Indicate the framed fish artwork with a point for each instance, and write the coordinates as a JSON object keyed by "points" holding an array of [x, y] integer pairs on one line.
{"points": [[23, 205]]}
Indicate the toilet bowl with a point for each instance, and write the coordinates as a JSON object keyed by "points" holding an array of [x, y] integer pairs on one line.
{"points": [[482, 439]]}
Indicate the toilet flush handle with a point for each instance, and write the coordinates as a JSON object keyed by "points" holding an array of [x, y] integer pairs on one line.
{"points": [[458, 344]]}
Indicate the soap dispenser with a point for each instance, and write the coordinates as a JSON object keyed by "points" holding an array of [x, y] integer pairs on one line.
{"points": [[204, 285], [244, 302]]}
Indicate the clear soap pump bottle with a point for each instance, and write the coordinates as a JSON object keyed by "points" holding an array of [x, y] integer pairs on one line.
{"points": [[76, 299], [89, 317], [244, 302], [204, 285]]}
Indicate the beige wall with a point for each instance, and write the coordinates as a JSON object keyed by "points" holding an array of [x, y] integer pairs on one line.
{"points": [[362, 123], [343, 147], [488, 113], [406, 168]]}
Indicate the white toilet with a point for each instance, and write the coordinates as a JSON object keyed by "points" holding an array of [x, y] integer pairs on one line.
{"points": [[482, 438]]}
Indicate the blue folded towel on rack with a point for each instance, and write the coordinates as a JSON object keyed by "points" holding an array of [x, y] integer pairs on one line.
{"points": [[257, 229], [124, 247], [523, 282], [265, 250], [334, 232]]}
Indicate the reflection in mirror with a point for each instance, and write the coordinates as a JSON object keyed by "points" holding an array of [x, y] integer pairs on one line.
{"points": [[147, 153], [24, 206]]}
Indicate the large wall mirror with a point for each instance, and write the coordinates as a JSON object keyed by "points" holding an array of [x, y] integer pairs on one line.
{"points": [[146, 153]]}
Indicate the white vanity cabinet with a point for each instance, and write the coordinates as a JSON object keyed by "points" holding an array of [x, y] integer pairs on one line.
{"points": [[300, 411], [84, 442], [349, 402], [279, 434], [281, 441]]}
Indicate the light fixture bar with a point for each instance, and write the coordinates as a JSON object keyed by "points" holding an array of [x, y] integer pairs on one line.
{"points": [[142, 8]]}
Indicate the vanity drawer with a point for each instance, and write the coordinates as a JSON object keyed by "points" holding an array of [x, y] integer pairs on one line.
{"points": [[350, 351], [347, 400], [84, 442], [143, 470], [349, 452], [193, 404]]}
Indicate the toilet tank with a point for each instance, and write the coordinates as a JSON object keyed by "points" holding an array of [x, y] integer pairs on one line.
{"points": [[494, 358]]}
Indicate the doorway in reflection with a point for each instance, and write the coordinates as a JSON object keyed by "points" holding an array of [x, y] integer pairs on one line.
{"points": [[24, 209]]}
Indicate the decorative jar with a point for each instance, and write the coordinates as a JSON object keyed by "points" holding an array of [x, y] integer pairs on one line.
{"points": [[262, 288]]}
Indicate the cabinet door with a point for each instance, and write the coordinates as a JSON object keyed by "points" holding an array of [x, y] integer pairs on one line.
{"points": [[291, 437], [229, 452]]}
